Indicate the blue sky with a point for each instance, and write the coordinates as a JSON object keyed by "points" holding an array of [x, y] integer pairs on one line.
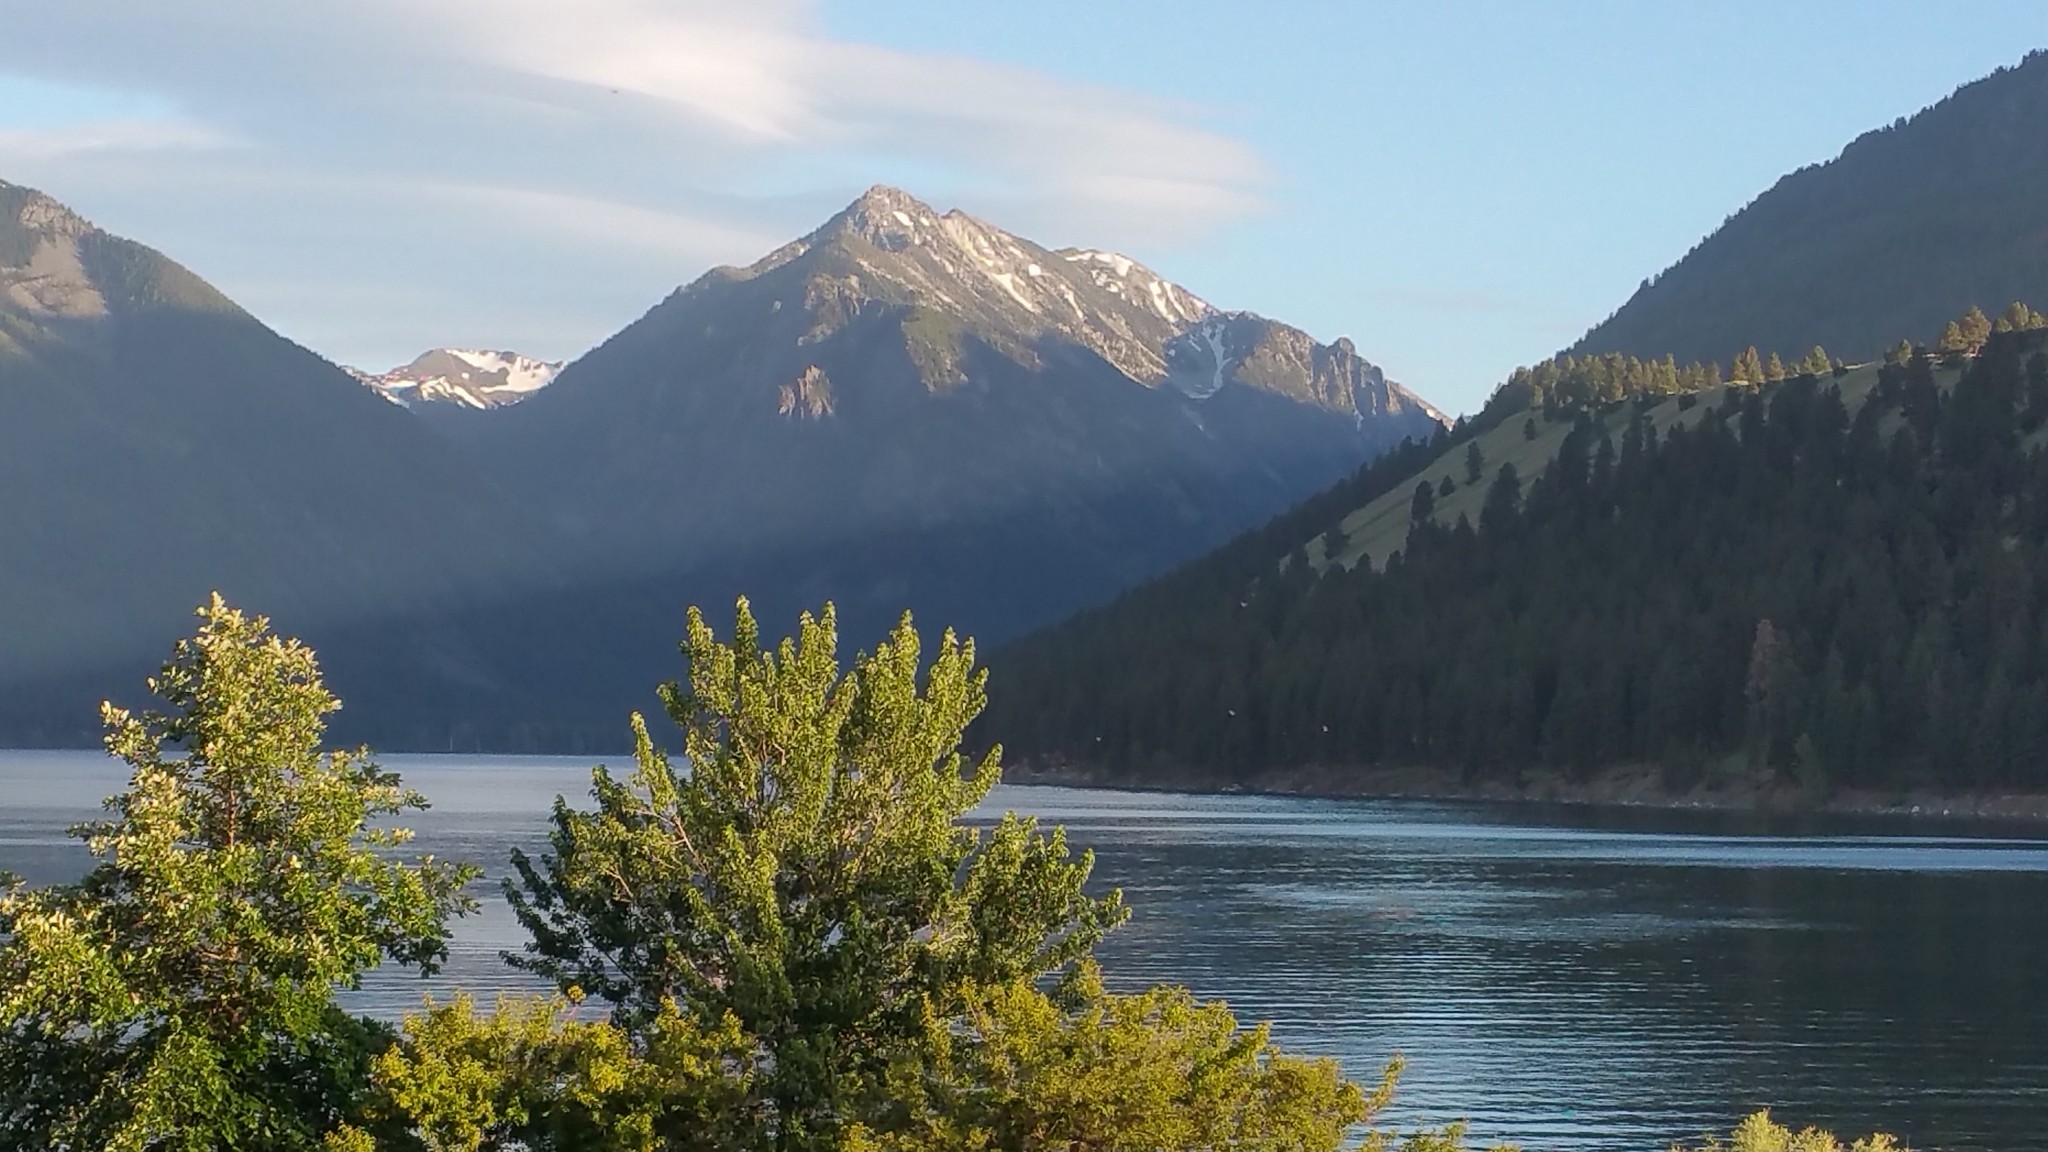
{"points": [[1460, 188]]}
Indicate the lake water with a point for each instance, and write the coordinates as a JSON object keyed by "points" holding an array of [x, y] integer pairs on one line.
{"points": [[1571, 979]]}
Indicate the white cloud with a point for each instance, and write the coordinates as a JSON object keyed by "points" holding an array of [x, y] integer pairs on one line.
{"points": [[560, 159]]}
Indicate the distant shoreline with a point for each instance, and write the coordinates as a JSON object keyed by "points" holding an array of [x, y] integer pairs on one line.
{"points": [[1628, 787], [1637, 787]]}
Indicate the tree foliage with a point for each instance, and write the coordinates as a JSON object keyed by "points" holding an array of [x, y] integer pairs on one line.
{"points": [[1082, 1068], [803, 939], [808, 892], [181, 996]]}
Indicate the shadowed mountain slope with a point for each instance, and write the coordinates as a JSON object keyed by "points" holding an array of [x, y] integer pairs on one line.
{"points": [[909, 407], [1909, 227], [157, 442]]}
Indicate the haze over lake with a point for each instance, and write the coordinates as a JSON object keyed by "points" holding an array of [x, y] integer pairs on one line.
{"points": [[1576, 980]]}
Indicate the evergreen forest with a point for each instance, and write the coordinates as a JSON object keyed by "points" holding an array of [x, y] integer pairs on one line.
{"points": [[1834, 579]]}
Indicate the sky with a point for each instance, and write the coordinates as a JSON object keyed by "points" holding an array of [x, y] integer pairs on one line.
{"points": [[1460, 187]]}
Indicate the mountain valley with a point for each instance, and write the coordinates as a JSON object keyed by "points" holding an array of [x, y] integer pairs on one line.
{"points": [[905, 408]]}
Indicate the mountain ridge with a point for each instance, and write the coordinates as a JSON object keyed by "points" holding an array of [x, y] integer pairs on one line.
{"points": [[879, 414], [461, 379], [157, 442], [860, 355], [1907, 227], [1762, 587]]}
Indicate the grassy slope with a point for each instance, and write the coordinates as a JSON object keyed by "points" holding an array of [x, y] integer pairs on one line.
{"points": [[1376, 531]]}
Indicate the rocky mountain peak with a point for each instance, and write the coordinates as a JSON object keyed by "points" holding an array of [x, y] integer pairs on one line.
{"points": [[36, 212], [886, 217], [953, 279], [55, 265], [42, 270], [462, 379]]}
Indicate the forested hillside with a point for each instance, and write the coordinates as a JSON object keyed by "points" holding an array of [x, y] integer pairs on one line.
{"points": [[1836, 579], [1911, 224]]}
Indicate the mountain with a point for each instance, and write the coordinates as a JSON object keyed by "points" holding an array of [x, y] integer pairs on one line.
{"points": [[461, 379], [909, 407], [1908, 228], [903, 408], [158, 442], [1822, 583], [1828, 581]]}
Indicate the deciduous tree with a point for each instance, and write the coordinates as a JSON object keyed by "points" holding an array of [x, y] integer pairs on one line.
{"points": [[182, 996]]}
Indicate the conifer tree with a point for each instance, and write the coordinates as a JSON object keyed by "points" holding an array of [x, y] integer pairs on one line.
{"points": [[2020, 318], [1475, 463], [1423, 507], [1953, 341], [1748, 367], [1976, 330]]}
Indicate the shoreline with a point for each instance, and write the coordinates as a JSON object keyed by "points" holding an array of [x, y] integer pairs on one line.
{"points": [[1635, 787]]}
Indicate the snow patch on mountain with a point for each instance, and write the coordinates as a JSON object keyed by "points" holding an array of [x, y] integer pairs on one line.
{"points": [[891, 253], [463, 378], [1211, 335]]}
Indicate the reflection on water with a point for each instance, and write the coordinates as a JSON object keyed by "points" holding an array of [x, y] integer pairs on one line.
{"points": [[1571, 979]]}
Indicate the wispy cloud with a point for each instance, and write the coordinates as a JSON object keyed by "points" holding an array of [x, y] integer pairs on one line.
{"points": [[547, 163], [146, 135]]}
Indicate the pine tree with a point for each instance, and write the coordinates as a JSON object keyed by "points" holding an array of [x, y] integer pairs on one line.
{"points": [[1976, 330], [1953, 341], [1423, 507], [1475, 463], [1774, 369], [1748, 367]]}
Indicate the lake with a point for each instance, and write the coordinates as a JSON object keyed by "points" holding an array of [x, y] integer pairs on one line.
{"points": [[1572, 979]]}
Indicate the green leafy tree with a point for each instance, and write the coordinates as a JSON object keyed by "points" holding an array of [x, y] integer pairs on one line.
{"points": [[808, 875], [1081, 1068], [531, 1075], [181, 997], [806, 909]]}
